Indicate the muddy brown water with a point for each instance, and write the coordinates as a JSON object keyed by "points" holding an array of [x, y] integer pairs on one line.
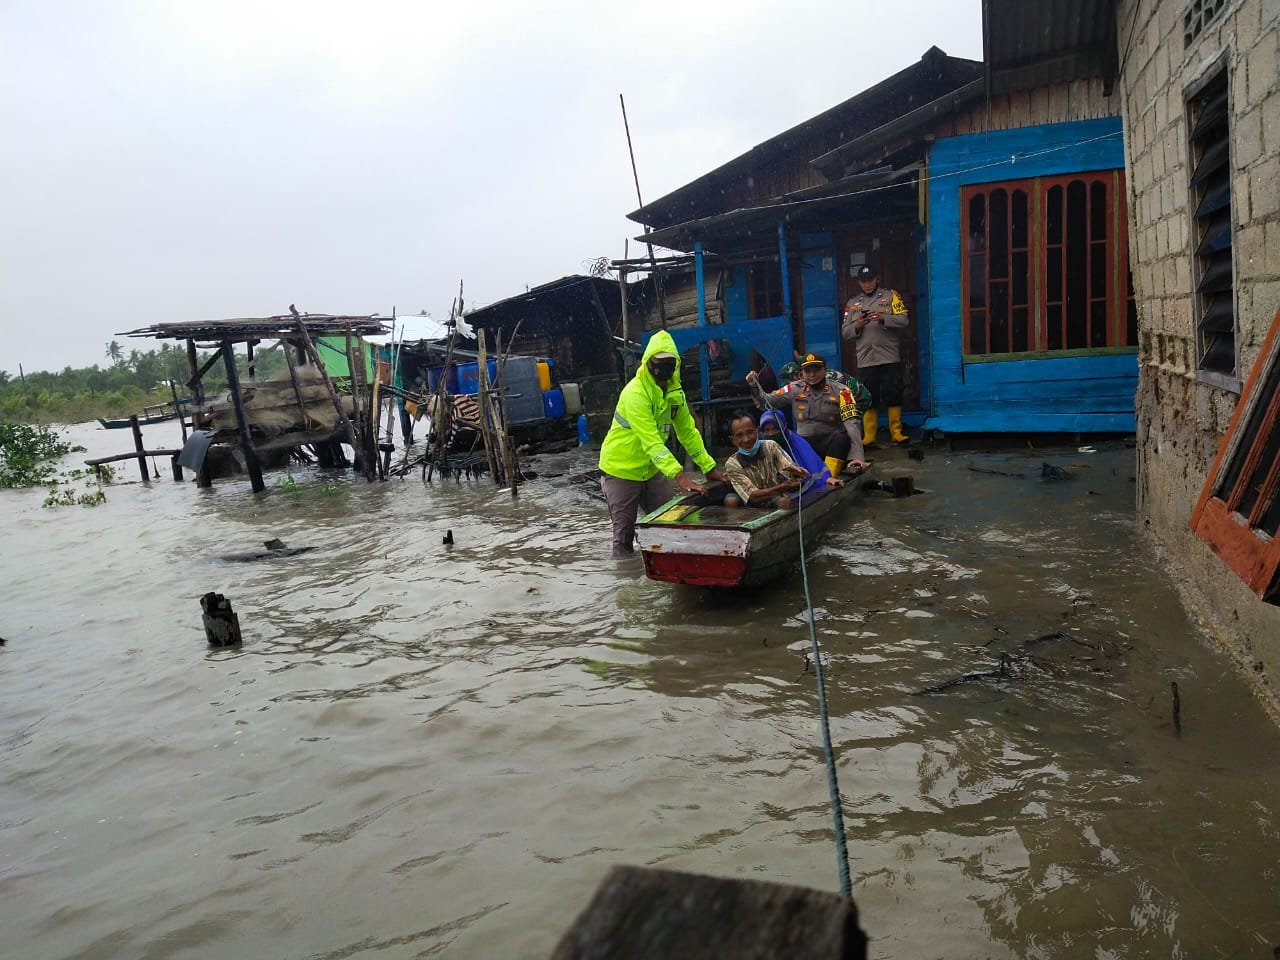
{"points": [[437, 751]]}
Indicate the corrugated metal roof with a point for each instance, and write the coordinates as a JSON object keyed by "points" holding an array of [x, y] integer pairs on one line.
{"points": [[923, 81], [263, 328], [762, 219], [1030, 43]]}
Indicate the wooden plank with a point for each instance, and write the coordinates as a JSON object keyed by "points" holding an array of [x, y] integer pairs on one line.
{"points": [[994, 422], [1099, 366], [640, 913], [129, 456]]}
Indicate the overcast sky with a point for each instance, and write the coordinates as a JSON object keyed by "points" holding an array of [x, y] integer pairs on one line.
{"points": [[165, 160]]}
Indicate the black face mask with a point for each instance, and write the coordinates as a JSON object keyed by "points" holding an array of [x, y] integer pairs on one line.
{"points": [[663, 370]]}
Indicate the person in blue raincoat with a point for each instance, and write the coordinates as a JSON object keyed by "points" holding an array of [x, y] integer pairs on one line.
{"points": [[773, 426]]}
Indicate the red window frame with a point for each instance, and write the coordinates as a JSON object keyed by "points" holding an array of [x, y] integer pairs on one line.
{"points": [[1045, 265], [1240, 500]]}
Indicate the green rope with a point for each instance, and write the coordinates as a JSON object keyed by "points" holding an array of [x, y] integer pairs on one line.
{"points": [[833, 784]]}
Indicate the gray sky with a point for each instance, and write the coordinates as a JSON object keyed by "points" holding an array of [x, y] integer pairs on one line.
{"points": [[166, 160]]}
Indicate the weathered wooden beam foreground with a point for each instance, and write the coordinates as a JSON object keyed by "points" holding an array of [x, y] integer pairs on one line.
{"points": [[639, 913]]}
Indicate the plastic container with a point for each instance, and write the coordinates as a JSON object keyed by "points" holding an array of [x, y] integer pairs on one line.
{"points": [[524, 397], [469, 376], [553, 404], [572, 398], [544, 375], [584, 433], [450, 378]]}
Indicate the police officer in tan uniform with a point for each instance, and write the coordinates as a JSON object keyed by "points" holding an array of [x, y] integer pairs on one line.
{"points": [[874, 319], [826, 412]]}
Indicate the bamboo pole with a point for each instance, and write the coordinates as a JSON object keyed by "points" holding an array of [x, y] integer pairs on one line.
{"points": [[653, 262], [204, 477], [242, 420], [484, 396], [324, 375], [297, 389], [510, 465], [177, 408]]}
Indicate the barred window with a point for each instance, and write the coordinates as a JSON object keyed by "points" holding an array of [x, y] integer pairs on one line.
{"points": [[1045, 266], [1214, 275]]}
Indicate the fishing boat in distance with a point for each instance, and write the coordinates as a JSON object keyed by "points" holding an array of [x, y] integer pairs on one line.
{"points": [[152, 413], [700, 543]]}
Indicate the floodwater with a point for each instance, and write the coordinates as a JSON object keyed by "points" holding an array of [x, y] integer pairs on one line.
{"points": [[425, 750]]}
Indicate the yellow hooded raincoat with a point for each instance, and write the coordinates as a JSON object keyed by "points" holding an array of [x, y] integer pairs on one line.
{"points": [[635, 447]]}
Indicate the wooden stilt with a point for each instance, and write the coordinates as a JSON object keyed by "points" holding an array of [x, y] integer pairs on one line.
{"points": [[324, 375], [289, 347], [246, 438], [484, 397], [137, 445], [204, 477], [177, 408]]}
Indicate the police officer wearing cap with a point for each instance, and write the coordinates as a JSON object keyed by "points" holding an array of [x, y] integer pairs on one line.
{"points": [[874, 319], [826, 411]]}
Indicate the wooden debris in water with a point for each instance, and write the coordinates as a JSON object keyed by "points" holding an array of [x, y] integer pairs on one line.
{"points": [[221, 624], [640, 913]]}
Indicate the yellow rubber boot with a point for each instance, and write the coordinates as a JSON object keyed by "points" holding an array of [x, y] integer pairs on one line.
{"points": [[895, 426], [834, 464], [869, 421]]}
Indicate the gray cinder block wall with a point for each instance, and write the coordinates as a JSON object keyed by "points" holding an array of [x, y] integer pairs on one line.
{"points": [[1182, 415]]}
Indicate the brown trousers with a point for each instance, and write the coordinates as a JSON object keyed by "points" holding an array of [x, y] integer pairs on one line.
{"points": [[626, 497]]}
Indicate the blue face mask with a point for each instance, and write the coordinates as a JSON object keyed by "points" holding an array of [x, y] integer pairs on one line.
{"points": [[755, 448]]}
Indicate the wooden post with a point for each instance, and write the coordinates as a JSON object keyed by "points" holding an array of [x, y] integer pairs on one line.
{"points": [[510, 464], [242, 420], [360, 391], [297, 390], [324, 375], [204, 477], [483, 396], [177, 408], [374, 416], [137, 445], [221, 624], [177, 470]]}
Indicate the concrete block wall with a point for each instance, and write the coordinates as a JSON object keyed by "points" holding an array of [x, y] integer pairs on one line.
{"points": [[1182, 417]]}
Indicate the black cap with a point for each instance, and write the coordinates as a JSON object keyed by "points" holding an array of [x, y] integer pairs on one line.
{"points": [[811, 359], [866, 273]]}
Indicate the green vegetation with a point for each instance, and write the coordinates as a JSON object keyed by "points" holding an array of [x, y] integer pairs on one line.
{"points": [[131, 381], [28, 455]]}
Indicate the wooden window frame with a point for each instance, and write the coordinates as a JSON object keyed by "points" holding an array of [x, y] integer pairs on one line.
{"points": [[1120, 315], [1250, 552]]}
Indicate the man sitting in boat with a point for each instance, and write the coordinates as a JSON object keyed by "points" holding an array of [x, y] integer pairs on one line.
{"points": [[774, 426], [760, 471], [827, 412]]}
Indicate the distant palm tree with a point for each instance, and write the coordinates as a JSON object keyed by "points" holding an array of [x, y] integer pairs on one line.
{"points": [[114, 353]]}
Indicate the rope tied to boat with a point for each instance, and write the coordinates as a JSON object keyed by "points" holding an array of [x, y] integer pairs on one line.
{"points": [[824, 714]]}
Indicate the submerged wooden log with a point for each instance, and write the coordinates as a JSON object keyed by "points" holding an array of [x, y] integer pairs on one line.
{"points": [[639, 913], [221, 625]]}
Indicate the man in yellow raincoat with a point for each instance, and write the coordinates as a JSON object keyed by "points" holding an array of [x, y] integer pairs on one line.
{"points": [[637, 466]]}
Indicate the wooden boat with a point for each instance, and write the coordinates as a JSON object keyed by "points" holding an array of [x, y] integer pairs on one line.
{"points": [[156, 413], [692, 540]]}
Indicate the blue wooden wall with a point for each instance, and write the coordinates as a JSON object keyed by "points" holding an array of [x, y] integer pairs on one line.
{"points": [[821, 309], [1068, 394]]}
